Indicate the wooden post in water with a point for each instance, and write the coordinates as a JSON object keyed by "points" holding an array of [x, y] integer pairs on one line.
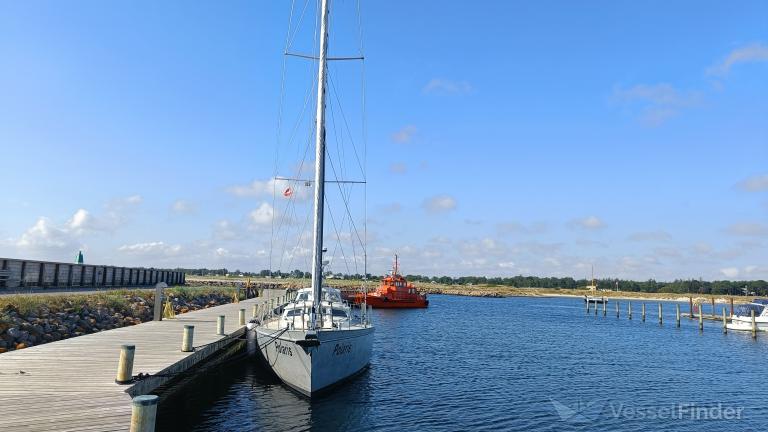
{"points": [[713, 307], [677, 314], [595, 307], [629, 309], [125, 365], [605, 306], [187, 340], [690, 307], [586, 300], [642, 314], [754, 324], [143, 413], [725, 322], [701, 320], [220, 325], [241, 317], [617, 308], [731, 306], [660, 314]]}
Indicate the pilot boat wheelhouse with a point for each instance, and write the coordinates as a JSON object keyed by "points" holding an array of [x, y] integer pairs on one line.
{"points": [[394, 292]]}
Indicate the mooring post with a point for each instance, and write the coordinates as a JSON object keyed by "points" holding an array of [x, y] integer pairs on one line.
{"points": [[629, 310], [158, 306], [713, 307], [754, 324], [220, 325], [254, 310], [605, 306], [725, 322], [660, 314], [143, 413], [642, 313], [731, 306], [187, 339], [586, 300], [617, 308], [125, 365], [701, 320], [241, 316], [595, 307], [690, 307], [677, 314]]}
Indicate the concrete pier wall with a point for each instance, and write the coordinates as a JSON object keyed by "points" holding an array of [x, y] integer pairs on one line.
{"points": [[19, 273]]}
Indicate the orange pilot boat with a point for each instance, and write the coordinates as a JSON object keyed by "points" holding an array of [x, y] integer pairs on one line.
{"points": [[394, 292]]}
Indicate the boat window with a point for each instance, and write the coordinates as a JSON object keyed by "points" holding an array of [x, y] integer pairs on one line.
{"points": [[293, 312], [745, 309], [302, 297], [339, 313]]}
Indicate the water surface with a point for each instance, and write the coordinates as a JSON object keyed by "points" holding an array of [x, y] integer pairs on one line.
{"points": [[471, 363]]}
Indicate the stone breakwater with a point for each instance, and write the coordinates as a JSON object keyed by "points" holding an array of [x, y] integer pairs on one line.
{"points": [[76, 317]]}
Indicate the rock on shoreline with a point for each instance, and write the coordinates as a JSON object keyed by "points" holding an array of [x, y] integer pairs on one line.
{"points": [[20, 330]]}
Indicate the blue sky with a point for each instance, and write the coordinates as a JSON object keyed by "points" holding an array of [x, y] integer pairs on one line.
{"points": [[503, 138]]}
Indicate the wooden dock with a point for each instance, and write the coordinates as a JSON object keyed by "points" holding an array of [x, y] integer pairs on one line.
{"points": [[69, 385]]}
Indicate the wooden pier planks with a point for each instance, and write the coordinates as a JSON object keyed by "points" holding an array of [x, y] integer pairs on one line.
{"points": [[69, 384]]}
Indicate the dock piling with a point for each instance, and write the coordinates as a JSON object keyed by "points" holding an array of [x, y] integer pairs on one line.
{"points": [[701, 320], [660, 314], [677, 314], [731, 299], [595, 307], [690, 307], [254, 310], [186, 342], [143, 413], [125, 365], [725, 322], [220, 325], [605, 307], [587, 302], [642, 313], [629, 310], [754, 324], [241, 317], [713, 307]]}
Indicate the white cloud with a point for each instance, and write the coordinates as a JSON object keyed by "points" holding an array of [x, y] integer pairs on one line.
{"points": [[750, 229], [657, 102], [651, 236], [446, 86], [225, 230], [506, 264], [266, 188], [439, 204], [261, 216], [151, 249], [520, 228], [404, 135], [756, 183], [730, 272], [398, 168], [183, 207], [588, 223], [44, 235], [756, 52]]}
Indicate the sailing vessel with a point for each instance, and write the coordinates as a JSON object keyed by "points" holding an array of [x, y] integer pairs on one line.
{"points": [[315, 340], [592, 287], [395, 292]]}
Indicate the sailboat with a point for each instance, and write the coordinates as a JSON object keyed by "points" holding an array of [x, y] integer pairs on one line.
{"points": [[316, 340], [592, 287]]}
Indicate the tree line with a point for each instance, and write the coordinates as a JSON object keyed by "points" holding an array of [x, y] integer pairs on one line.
{"points": [[681, 286]]}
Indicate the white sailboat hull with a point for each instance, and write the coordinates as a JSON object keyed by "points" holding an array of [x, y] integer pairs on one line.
{"points": [[745, 323], [340, 355]]}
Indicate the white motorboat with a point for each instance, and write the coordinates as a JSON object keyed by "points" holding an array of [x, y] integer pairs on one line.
{"points": [[742, 316]]}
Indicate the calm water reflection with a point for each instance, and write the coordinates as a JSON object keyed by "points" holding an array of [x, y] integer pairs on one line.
{"points": [[505, 364]]}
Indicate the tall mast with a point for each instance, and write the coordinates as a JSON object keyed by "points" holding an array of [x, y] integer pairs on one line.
{"points": [[317, 250]]}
